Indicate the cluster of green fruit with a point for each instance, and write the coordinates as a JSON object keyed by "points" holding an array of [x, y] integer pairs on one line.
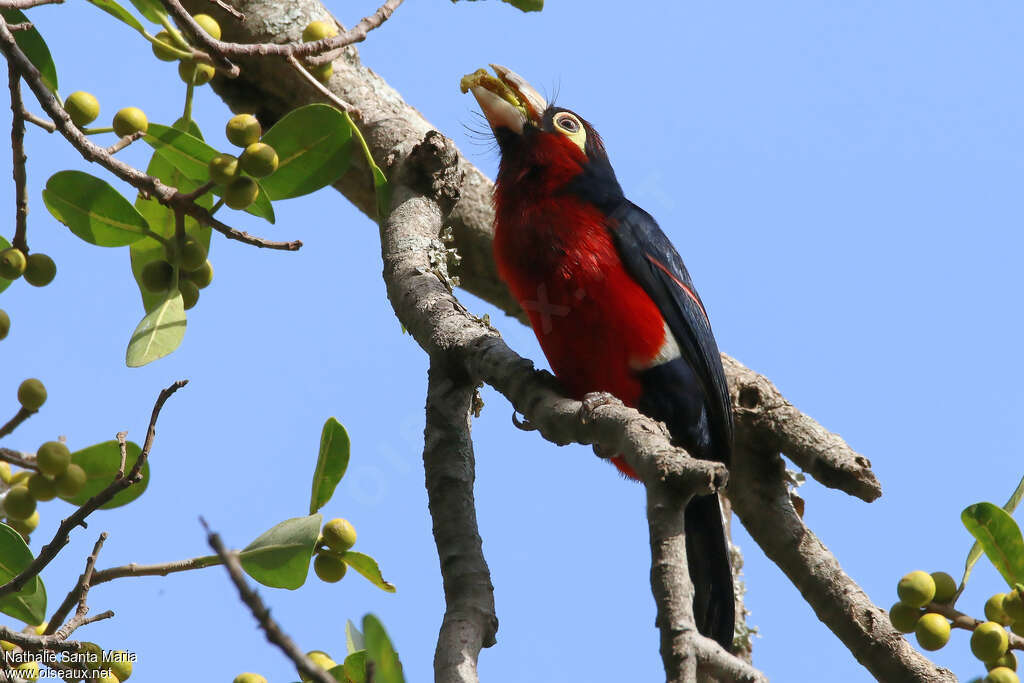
{"points": [[38, 269], [258, 160], [5, 323], [189, 263], [918, 591], [168, 48], [83, 108], [336, 538], [318, 30]]}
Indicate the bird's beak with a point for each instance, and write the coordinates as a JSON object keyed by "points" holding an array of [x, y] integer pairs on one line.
{"points": [[507, 100]]}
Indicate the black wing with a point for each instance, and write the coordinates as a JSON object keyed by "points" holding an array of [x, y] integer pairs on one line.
{"points": [[650, 258]]}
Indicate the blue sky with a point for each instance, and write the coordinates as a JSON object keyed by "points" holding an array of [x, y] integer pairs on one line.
{"points": [[843, 180]]}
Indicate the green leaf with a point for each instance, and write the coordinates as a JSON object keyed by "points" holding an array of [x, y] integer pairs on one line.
{"points": [[192, 156], [330, 464], [280, 557], [93, 210], [32, 44], [975, 553], [314, 148], [28, 604], [101, 463], [353, 637], [115, 10], [367, 566], [1000, 538], [161, 222], [4, 244], [387, 668], [150, 9], [354, 667], [159, 333]]}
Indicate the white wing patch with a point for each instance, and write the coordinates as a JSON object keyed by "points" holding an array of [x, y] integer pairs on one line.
{"points": [[668, 352]]}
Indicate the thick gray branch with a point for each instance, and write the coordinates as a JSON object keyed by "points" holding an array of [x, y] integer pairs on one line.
{"points": [[759, 496], [469, 620]]}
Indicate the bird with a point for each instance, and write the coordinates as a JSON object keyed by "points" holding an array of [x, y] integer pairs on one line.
{"points": [[610, 301]]}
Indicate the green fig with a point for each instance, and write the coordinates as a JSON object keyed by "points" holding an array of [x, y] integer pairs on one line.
{"points": [[25, 527], [321, 659], [1001, 674], [318, 30], [904, 617], [130, 120], [243, 130], [53, 458], [19, 503], [71, 482], [163, 50], [157, 276], [189, 293], [1013, 605], [989, 641], [209, 25], [916, 589], [31, 394], [5, 323], [12, 263], [82, 107], [258, 160], [1009, 660], [202, 276], [932, 631], [120, 664], [329, 567], [196, 73], [223, 168], [339, 535], [945, 587], [39, 269], [994, 609], [241, 193], [41, 487], [249, 678]]}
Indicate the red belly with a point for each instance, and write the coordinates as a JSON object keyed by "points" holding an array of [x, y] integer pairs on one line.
{"points": [[597, 326]]}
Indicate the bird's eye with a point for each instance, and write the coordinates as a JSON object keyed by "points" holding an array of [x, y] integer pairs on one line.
{"points": [[568, 124]]}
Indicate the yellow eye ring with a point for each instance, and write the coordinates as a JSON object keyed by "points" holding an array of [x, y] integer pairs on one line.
{"points": [[571, 127], [568, 123]]}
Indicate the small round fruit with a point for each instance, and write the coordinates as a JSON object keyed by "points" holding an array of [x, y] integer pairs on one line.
{"points": [[19, 503], [329, 567], [53, 458], [71, 482], [5, 323], [945, 587], [318, 30], [31, 394], [130, 120], [163, 52], [223, 168], [196, 73], [209, 25], [193, 254], [107, 679], [189, 293], [932, 631], [321, 659], [339, 535], [916, 589], [243, 130], [241, 192], [39, 270], [157, 276], [904, 617], [322, 72], [259, 159], [1013, 605], [41, 487], [248, 677], [120, 664], [1009, 660], [989, 641], [5, 472], [26, 526], [994, 609], [202, 276], [82, 107], [1001, 674], [12, 263], [20, 478], [92, 655]]}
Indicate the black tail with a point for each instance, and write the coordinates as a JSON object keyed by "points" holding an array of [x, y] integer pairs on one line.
{"points": [[707, 554]]}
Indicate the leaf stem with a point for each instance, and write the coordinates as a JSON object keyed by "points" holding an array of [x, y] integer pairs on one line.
{"points": [[189, 91]]}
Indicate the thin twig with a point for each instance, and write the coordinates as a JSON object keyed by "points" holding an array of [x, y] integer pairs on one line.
{"points": [[315, 82], [124, 142], [19, 417], [19, 459], [122, 445], [229, 9], [23, 26], [19, 159], [63, 534], [84, 582], [255, 604], [48, 126]]}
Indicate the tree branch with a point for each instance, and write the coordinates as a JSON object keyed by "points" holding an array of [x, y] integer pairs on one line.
{"points": [[18, 162], [469, 621], [759, 496]]}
